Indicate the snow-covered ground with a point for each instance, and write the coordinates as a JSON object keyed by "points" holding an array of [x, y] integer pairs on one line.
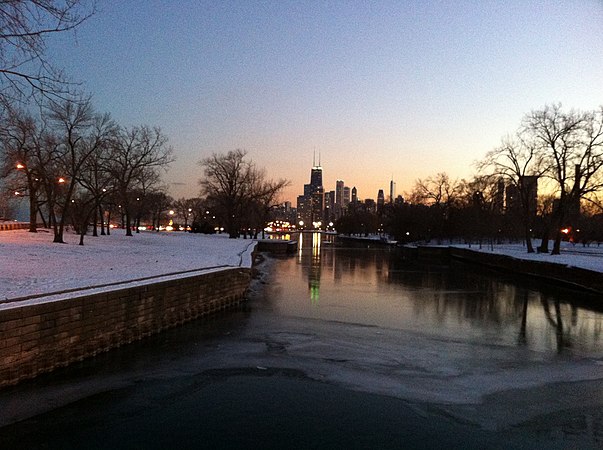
{"points": [[590, 258], [30, 264]]}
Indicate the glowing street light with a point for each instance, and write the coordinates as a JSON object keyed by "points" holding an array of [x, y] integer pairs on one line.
{"points": [[20, 166], [61, 180]]}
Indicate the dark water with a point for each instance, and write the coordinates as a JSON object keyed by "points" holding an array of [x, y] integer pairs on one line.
{"points": [[341, 348], [377, 287]]}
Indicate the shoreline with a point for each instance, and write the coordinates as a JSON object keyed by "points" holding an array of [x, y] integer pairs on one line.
{"points": [[557, 272]]}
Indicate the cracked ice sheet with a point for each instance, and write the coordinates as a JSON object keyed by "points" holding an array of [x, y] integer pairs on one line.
{"points": [[471, 381]]}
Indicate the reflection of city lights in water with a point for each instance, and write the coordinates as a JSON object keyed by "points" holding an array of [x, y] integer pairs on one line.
{"points": [[314, 274], [314, 291], [308, 255], [280, 236], [300, 246], [315, 245]]}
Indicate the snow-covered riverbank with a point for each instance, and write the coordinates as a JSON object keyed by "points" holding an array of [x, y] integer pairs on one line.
{"points": [[30, 264]]}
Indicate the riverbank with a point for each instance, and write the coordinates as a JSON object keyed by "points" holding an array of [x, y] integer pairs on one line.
{"points": [[580, 268], [97, 308]]}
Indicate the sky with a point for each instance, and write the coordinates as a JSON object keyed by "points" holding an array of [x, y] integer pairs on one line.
{"points": [[379, 89]]}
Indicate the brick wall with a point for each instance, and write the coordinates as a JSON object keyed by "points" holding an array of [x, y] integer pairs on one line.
{"points": [[40, 337]]}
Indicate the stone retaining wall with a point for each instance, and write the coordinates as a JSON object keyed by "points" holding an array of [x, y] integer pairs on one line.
{"points": [[39, 336], [573, 277], [559, 273]]}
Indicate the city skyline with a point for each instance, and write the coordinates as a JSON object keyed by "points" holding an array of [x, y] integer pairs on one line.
{"points": [[318, 207], [404, 89]]}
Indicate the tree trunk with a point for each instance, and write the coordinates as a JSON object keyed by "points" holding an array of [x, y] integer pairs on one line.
{"points": [[94, 226], [44, 224], [58, 230], [557, 244], [128, 224], [102, 220], [33, 213], [557, 223], [529, 245]]}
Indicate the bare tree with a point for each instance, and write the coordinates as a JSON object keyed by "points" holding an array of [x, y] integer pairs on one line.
{"points": [[184, 209], [135, 151], [226, 185], [81, 133], [572, 147], [24, 27], [440, 193], [234, 186], [518, 161], [480, 207], [17, 141], [264, 195], [94, 178], [438, 190]]}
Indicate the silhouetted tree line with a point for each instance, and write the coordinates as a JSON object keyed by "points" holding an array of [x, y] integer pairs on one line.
{"points": [[559, 151], [238, 193], [78, 167]]}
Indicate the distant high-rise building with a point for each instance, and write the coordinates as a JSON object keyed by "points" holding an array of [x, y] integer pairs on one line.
{"points": [[370, 205], [339, 192], [304, 214], [338, 206], [354, 195], [316, 177], [308, 190], [330, 207], [392, 191], [380, 201], [513, 200], [346, 196], [310, 206], [318, 205], [316, 174]]}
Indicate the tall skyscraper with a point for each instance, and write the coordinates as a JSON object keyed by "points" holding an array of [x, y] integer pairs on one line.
{"points": [[338, 206], [310, 206], [354, 195], [316, 174], [339, 192], [330, 209], [380, 201], [316, 177], [392, 191], [346, 196]]}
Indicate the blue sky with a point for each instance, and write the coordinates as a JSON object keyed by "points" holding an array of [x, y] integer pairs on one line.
{"points": [[403, 88]]}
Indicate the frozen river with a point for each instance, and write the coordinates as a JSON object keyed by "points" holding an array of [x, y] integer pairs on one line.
{"points": [[341, 348]]}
